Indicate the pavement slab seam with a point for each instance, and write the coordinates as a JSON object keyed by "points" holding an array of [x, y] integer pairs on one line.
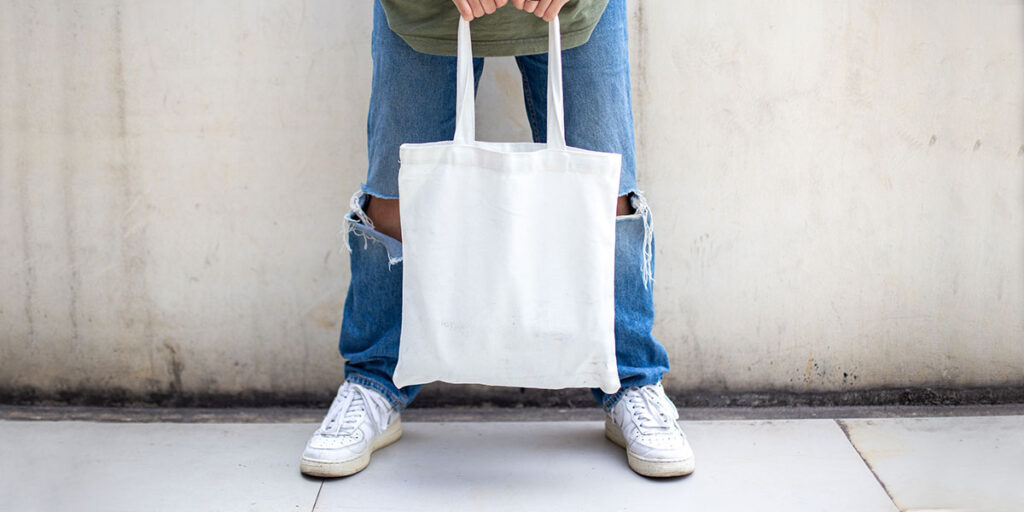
{"points": [[317, 499], [964, 464], [888, 492]]}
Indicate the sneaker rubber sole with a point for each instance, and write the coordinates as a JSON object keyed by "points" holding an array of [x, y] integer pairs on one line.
{"points": [[658, 468], [351, 466]]}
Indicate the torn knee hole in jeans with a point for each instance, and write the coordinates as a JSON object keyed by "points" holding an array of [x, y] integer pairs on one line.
{"points": [[359, 224], [643, 212]]}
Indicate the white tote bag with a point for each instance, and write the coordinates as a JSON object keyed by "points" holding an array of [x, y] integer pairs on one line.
{"points": [[509, 253]]}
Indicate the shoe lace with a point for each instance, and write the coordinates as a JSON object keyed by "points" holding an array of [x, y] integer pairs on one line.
{"points": [[650, 409], [350, 408]]}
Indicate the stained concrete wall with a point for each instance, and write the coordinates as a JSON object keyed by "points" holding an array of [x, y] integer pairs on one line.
{"points": [[838, 191]]}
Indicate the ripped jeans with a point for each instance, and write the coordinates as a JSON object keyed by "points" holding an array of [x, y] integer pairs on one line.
{"points": [[413, 100]]}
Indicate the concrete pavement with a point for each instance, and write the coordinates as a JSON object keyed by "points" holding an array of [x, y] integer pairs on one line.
{"points": [[907, 462]]}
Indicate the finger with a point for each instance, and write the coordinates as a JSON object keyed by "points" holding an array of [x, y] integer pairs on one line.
{"points": [[518, 4], [531, 5], [500, 3], [464, 9], [556, 7], [478, 10], [542, 6], [488, 6]]}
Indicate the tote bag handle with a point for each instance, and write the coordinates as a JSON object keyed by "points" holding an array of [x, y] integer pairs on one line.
{"points": [[465, 109]]}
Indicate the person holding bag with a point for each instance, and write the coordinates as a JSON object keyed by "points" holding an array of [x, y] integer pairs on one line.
{"points": [[414, 105]]}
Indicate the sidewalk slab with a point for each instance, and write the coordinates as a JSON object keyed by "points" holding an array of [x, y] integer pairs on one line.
{"points": [[965, 463], [791, 465], [111, 467], [953, 463]]}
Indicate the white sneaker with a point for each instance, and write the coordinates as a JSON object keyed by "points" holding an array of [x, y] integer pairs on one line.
{"points": [[643, 422], [359, 421]]}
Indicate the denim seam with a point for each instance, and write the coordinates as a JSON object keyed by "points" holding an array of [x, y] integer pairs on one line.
{"points": [[611, 400], [364, 380]]}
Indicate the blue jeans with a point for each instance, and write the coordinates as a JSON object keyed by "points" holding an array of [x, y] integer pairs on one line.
{"points": [[413, 100]]}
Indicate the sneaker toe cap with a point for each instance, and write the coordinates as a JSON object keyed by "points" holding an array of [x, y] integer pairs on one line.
{"points": [[329, 442], [330, 454], [662, 448]]}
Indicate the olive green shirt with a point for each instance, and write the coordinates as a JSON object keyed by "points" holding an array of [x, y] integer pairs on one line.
{"points": [[431, 26]]}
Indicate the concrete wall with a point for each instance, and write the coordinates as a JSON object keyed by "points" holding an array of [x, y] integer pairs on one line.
{"points": [[838, 190]]}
